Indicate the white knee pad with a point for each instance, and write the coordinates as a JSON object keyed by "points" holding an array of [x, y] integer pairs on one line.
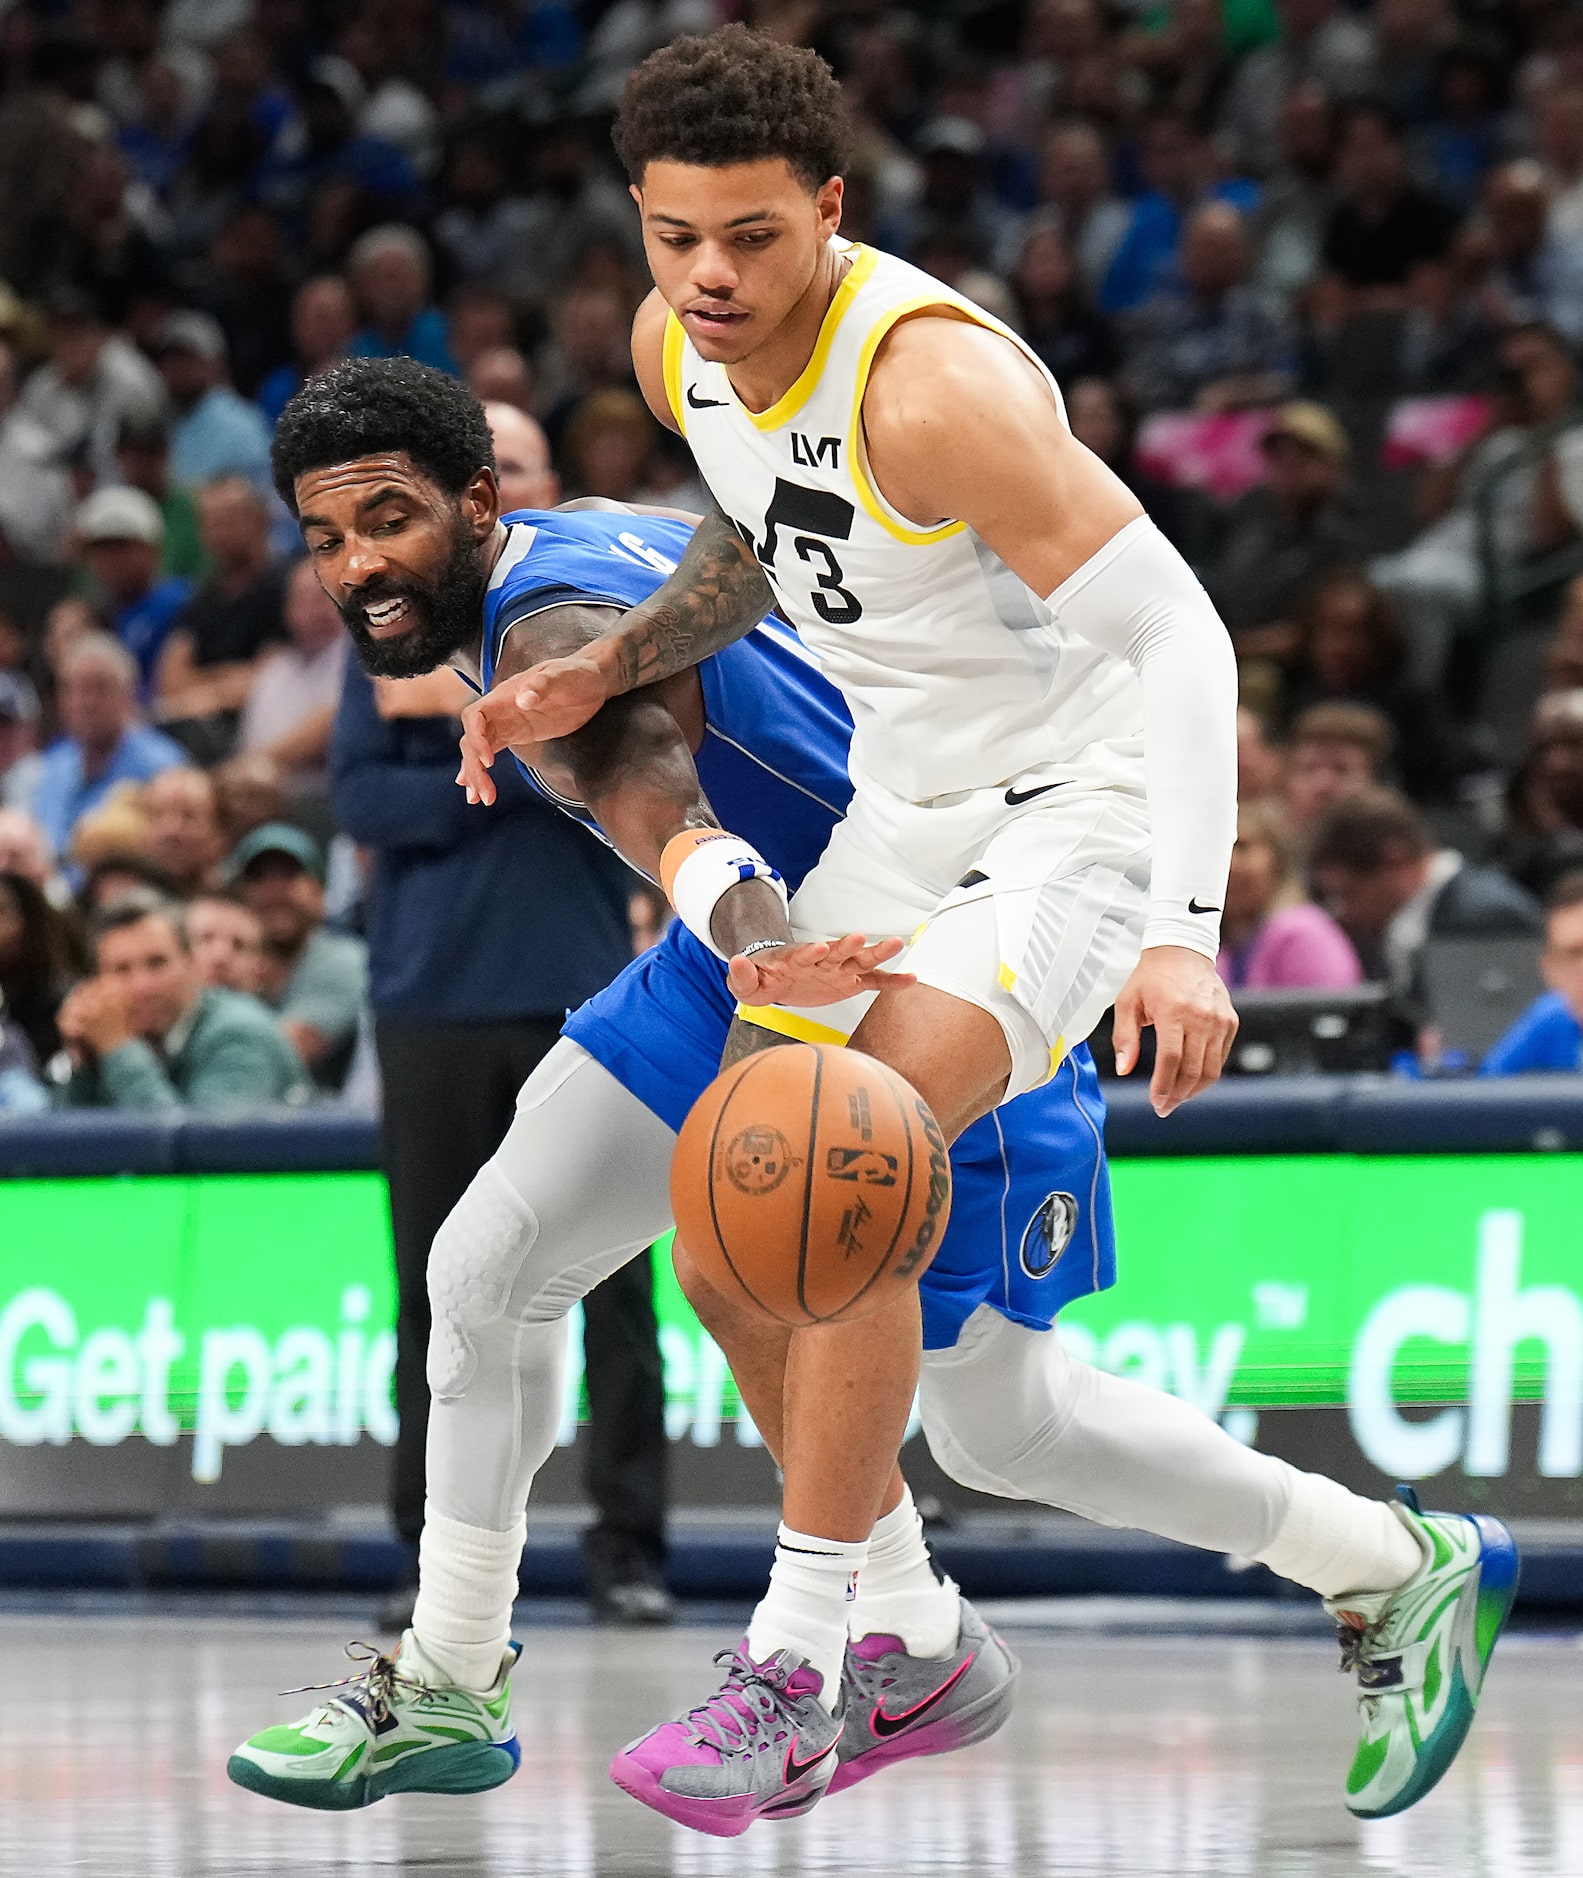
{"points": [[475, 1260]]}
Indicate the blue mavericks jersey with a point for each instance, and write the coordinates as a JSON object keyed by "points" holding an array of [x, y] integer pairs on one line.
{"points": [[1030, 1225], [773, 760]]}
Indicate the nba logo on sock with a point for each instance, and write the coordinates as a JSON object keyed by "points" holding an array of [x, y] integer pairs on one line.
{"points": [[851, 1588]]}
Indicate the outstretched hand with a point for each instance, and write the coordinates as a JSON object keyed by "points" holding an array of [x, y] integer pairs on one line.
{"points": [[822, 972], [547, 701], [1180, 993]]}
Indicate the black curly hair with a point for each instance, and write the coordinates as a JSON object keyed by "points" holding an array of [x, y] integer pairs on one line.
{"points": [[734, 96], [364, 407]]}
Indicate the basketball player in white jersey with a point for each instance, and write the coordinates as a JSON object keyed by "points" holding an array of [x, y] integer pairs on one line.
{"points": [[1044, 772]]}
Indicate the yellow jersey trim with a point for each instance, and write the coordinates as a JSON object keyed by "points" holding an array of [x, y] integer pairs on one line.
{"points": [[790, 402], [789, 1024], [671, 365], [884, 326]]}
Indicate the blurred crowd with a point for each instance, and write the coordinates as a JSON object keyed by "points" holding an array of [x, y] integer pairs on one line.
{"points": [[1310, 275]]}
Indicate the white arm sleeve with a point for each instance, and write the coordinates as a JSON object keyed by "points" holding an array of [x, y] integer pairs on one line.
{"points": [[1137, 598]]}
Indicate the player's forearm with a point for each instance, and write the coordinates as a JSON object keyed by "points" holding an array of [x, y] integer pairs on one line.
{"points": [[1138, 599], [716, 596]]}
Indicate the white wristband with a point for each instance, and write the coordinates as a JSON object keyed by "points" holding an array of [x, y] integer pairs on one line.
{"points": [[717, 862]]}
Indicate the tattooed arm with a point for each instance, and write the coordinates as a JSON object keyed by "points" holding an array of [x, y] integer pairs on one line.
{"points": [[717, 595]]}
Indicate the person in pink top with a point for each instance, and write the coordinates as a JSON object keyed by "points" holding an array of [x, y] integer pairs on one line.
{"points": [[1272, 935]]}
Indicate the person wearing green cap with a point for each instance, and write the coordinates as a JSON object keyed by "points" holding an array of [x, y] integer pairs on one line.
{"points": [[315, 979]]}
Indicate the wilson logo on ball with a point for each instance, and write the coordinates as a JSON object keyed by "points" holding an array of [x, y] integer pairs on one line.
{"points": [[866, 1165], [757, 1160]]}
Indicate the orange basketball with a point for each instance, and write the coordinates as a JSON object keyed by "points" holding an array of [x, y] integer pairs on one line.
{"points": [[813, 1180]]}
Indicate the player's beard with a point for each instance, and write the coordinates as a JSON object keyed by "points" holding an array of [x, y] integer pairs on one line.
{"points": [[446, 614]]}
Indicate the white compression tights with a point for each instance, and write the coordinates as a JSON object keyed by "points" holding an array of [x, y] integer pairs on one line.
{"points": [[1008, 1411]]}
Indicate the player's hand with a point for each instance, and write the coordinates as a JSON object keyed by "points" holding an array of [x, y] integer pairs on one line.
{"points": [[537, 706], [822, 972], [1180, 993]]}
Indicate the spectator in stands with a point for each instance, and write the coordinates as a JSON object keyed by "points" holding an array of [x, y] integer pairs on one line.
{"points": [[323, 320], [146, 1033], [24, 847], [36, 493], [522, 460], [1333, 751], [227, 939], [108, 879], [252, 791], [1558, 140], [122, 535], [501, 375], [1514, 495], [1285, 533], [290, 708], [1296, 202], [1077, 195], [1379, 871], [1385, 224], [1104, 421], [184, 838], [1412, 38], [22, 1092], [591, 350], [93, 380], [390, 274], [1549, 1034], [610, 446], [142, 456], [1563, 663], [104, 743], [20, 762], [40, 955], [212, 655], [1544, 830], [217, 432], [1320, 43], [1351, 649], [1538, 271], [1261, 764], [316, 979], [1054, 317], [1271, 934], [1179, 168], [1214, 343]]}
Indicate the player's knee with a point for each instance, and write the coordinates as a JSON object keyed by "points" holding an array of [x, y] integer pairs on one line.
{"points": [[473, 1265]]}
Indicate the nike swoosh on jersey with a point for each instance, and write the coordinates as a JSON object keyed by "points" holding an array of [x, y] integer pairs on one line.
{"points": [[885, 1725], [1016, 797], [1194, 907], [703, 404]]}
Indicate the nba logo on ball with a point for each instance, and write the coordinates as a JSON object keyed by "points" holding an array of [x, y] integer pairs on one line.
{"points": [[1048, 1234], [757, 1160]]}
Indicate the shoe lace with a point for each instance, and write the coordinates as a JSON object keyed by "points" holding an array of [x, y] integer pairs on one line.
{"points": [[370, 1689], [751, 1697], [1359, 1647]]}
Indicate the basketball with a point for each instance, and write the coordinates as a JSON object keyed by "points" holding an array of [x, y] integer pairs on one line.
{"points": [[813, 1180]]}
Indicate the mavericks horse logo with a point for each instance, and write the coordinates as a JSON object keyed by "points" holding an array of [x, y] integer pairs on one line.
{"points": [[1048, 1234]]}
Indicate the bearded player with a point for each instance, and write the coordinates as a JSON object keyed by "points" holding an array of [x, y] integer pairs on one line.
{"points": [[1043, 764]]}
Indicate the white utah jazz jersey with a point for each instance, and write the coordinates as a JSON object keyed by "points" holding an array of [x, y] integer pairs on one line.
{"points": [[956, 676]]}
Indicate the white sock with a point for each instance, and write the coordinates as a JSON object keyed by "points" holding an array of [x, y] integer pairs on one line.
{"points": [[1336, 1542], [467, 1584], [900, 1594], [813, 1583]]}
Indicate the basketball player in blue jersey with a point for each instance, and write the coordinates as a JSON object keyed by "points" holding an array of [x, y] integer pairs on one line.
{"points": [[1043, 760], [389, 468]]}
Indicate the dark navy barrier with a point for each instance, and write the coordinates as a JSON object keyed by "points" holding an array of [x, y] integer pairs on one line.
{"points": [[1243, 1115]]}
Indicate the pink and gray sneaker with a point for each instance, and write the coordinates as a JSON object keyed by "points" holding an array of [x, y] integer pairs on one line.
{"points": [[897, 1706], [762, 1747]]}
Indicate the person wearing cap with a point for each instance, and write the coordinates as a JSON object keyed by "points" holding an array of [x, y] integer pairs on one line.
{"points": [[20, 762], [104, 742], [145, 1032], [1286, 533], [121, 535], [217, 431], [93, 379], [316, 980]]}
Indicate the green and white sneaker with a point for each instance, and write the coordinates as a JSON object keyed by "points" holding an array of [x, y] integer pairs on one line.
{"points": [[387, 1731], [1420, 1653]]}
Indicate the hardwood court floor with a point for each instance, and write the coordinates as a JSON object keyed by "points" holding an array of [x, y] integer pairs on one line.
{"points": [[1133, 1756]]}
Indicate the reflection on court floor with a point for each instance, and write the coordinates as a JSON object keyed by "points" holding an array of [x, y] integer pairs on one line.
{"points": [[1132, 1755]]}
